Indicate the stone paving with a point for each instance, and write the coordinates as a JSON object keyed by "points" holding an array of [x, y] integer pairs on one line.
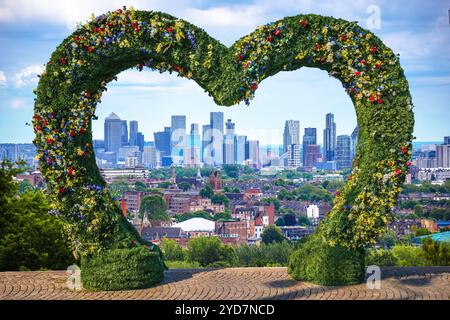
{"points": [[236, 284]]}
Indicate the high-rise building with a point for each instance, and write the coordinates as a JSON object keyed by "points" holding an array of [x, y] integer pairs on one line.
{"points": [[253, 158], [133, 132], [329, 138], [443, 156], [294, 155], [291, 134], [312, 155], [216, 123], [178, 139], [193, 147], [239, 152], [151, 157], [162, 141], [113, 133], [228, 143], [343, 152], [206, 140], [140, 141], [124, 133], [447, 140], [354, 138], [310, 137]]}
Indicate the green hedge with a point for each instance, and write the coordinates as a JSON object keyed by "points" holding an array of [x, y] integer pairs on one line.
{"points": [[318, 262], [122, 269]]}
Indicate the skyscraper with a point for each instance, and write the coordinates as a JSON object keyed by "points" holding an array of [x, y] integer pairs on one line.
{"points": [[329, 138], [291, 134], [447, 140], [133, 132], [124, 133], [443, 156], [343, 152], [253, 154], [310, 137], [178, 139], [194, 146], [151, 157], [354, 137], [312, 155], [294, 156], [216, 123], [228, 143], [162, 141], [239, 152], [206, 140], [113, 133], [140, 141]]}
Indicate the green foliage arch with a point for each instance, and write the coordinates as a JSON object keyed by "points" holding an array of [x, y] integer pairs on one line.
{"points": [[80, 68]]}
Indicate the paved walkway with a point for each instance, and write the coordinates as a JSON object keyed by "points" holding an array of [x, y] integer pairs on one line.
{"points": [[236, 284]]}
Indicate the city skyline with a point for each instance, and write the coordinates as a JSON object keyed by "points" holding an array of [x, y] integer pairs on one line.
{"points": [[419, 32]]}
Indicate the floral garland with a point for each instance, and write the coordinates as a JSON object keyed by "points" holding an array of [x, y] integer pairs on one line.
{"points": [[80, 68]]}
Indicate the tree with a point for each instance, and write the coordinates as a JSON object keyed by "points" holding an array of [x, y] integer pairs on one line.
{"points": [[438, 253], [290, 220], [118, 187], [204, 250], [276, 203], [231, 170], [30, 238], [220, 199], [172, 250], [222, 216], [155, 207], [303, 221], [422, 232], [207, 192], [271, 234], [164, 185], [185, 186], [189, 215], [140, 186], [280, 222], [389, 239]]}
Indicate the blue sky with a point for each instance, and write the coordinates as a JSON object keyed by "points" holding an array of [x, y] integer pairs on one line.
{"points": [[418, 30]]}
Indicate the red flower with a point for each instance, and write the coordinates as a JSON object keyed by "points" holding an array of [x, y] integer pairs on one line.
{"points": [[357, 73], [49, 160], [50, 141], [372, 98], [63, 60], [90, 49], [170, 29], [177, 68], [36, 117], [240, 56], [344, 37], [318, 46], [38, 128], [408, 164], [45, 122], [380, 101], [82, 130], [277, 32], [303, 23], [254, 86], [88, 94], [350, 177], [84, 153], [373, 49], [70, 171], [269, 38], [76, 38], [397, 171], [72, 133], [61, 190], [96, 29], [338, 193], [363, 62], [377, 66]]}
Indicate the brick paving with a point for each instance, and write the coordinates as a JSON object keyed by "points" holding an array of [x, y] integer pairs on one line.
{"points": [[236, 284]]}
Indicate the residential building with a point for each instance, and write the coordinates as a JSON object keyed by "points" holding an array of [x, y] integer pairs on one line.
{"points": [[312, 156]]}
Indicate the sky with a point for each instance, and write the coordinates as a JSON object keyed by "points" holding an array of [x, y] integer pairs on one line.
{"points": [[418, 30]]}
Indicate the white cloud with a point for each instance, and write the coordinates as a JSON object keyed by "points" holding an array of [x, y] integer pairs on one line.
{"points": [[17, 103], [240, 16], [27, 75], [3, 82]]}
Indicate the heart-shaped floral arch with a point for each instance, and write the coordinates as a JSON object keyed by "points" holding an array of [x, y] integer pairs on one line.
{"points": [[80, 68]]}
